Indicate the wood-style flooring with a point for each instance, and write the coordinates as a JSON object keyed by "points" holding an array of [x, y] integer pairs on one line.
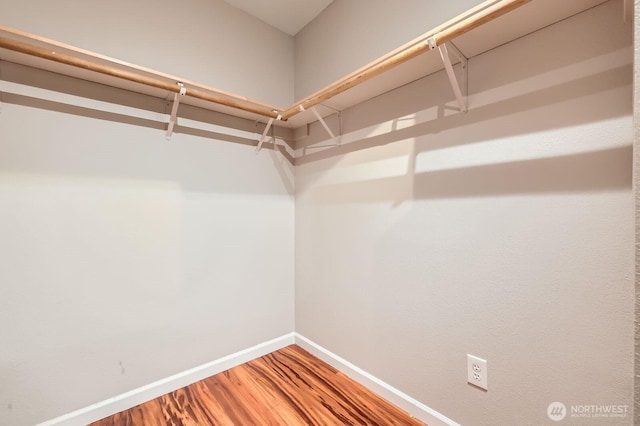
{"points": [[287, 387]]}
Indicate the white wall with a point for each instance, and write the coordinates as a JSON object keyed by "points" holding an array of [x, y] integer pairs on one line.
{"points": [[506, 233], [207, 41], [349, 34], [126, 258]]}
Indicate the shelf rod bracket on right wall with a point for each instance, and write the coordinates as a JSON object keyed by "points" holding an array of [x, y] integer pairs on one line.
{"points": [[325, 125], [446, 60]]}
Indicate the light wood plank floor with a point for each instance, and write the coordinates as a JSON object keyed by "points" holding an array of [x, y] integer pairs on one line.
{"points": [[287, 387]]}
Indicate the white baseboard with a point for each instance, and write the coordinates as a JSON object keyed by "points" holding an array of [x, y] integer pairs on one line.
{"points": [[388, 392], [135, 397]]}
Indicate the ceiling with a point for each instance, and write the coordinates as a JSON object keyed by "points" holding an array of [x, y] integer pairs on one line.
{"points": [[289, 16]]}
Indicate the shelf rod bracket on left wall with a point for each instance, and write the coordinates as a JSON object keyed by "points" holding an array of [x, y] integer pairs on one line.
{"points": [[174, 110], [264, 134], [263, 137]]}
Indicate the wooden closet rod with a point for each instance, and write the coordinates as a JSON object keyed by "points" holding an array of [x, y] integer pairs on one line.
{"points": [[473, 18], [464, 23], [64, 58]]}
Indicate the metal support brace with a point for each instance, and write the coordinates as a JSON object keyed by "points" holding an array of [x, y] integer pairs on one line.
{"points": [[174, 110], [263, 138], [339, 115], [446, 60], [458, 54], [264, 134], [324, 124], [464, 64]]}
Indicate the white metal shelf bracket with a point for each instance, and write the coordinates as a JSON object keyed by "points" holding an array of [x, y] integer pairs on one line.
{"points": [[446, 60], [174, 110], [263, 137], [324, 124]]}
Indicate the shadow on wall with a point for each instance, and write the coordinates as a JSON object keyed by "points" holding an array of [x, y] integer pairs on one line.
{"points": [[161, 126], [548, 118], [200, 157], [68, 85], [587, 172], [68, 147]]}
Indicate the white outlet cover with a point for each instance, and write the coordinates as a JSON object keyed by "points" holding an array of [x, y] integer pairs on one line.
{"points": [[477, 372]]}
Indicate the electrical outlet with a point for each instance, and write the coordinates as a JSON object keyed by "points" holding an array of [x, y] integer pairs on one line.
{"points": [[477, 371]]}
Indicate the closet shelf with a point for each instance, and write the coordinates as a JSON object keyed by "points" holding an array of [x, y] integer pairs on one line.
{"points": [[399, 67], [39, 52], [473, 18]]}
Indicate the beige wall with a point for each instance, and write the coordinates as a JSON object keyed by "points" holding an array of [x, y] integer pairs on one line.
{"points": [[127, 258], [506, 233]]}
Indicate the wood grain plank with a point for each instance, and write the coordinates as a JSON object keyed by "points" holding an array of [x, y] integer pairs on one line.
{"points": [[285, 387]]}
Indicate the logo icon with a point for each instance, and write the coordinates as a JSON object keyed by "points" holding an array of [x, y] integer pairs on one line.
{"points": [[556, 411]]}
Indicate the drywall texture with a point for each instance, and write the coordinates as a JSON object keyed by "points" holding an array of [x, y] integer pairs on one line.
{"points": [[207, 41], [506, 232], [127, 258], [349, 34]]}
